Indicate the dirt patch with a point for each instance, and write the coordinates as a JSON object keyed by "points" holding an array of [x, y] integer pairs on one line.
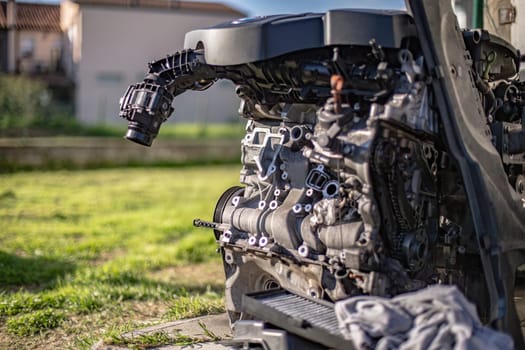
{"points": [[210, 273]]}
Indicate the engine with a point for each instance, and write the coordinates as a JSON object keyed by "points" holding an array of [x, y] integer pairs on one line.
{"points": [[340, 198], [349, 186]]}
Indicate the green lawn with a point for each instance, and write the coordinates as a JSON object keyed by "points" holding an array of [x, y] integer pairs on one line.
{"points": [[70, 127], [235, 130], [85, 255]]}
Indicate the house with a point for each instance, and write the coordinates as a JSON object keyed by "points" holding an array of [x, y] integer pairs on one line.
{"points": [[108, 43], [30, 38]]}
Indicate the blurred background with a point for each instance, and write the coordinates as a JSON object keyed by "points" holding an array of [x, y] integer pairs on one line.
{"points": [[65, 64], [96, 234]]}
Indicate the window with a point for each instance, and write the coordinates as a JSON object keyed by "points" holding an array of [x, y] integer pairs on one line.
{"points": [[110, 77], [27, 47]]}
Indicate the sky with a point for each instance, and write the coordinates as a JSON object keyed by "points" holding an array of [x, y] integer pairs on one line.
{"points": [[268, 7]]}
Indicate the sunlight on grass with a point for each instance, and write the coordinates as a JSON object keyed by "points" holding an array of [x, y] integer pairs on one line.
{"points": [[193, 306], [146, 341], [75, 243], [199, 131], [35, 322]]}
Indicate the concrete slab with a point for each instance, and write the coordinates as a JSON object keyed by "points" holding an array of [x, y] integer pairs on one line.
{"points": [[217, 325], [199, 346]]}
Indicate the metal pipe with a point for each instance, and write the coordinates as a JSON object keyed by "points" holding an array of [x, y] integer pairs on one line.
{"points": [[477, 14]]}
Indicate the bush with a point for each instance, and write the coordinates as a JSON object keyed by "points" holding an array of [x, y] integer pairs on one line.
{"points": [[22, 101]]}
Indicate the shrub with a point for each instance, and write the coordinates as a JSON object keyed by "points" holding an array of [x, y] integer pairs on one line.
{"points": [[22, 101]]}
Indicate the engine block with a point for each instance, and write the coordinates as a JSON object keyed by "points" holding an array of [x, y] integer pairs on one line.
{"points": [[329, 191]]}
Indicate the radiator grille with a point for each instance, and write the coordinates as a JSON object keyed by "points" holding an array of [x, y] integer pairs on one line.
{"points": [[309, 318]]}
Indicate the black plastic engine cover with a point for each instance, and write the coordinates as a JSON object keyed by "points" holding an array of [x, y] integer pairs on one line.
{"points": [[260, 38]]}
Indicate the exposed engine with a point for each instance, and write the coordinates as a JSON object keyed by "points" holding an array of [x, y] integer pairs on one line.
{"points": [[339, 199], [349, 184]]}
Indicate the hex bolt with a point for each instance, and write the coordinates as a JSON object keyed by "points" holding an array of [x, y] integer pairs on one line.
{"points": [[303, 250], [252, 240], [263, 241]]}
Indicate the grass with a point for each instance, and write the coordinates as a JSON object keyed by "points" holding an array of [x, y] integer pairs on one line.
{"points": [[142, 341], [213, 131], [34, 322], [70, 127], [192, 306], [153, 340], [85, 253]]}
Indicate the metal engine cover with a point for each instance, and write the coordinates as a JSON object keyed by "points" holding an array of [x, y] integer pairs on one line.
{"points": [[261, 38]]}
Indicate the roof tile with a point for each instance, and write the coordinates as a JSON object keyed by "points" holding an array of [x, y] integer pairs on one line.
{"points": [[37, 17], [168, 4], [45, 17]]}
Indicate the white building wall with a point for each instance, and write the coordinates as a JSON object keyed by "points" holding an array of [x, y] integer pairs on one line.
{"points": [[116, 45]]}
